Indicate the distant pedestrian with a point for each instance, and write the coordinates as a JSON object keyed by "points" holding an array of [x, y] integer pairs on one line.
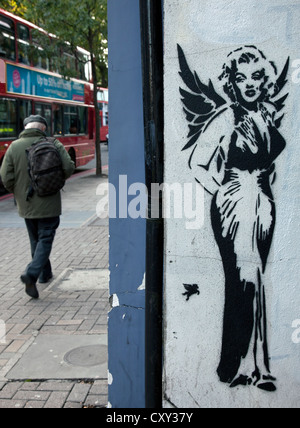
{"points": [[41, 213]]}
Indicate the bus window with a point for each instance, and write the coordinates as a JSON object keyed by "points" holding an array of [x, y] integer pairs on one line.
{"points": [[7, 39], [57, 119], [45, 111], [48, 117], [39, 109], [8, 118], [55, 58], [23, 44], [83, 67], [38, 55], [105, 114], [70, 120], [69, 61], [25, 110], [80, 66], [100, 96], [82, 117]]}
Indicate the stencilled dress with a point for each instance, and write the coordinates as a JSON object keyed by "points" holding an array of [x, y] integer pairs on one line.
{"points": [[243, 218]]}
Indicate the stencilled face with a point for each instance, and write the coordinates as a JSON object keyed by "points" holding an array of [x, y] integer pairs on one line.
{"points": [[250, 80]]}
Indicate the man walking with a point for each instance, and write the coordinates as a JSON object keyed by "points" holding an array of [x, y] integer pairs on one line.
{"points": [[41, 214]]}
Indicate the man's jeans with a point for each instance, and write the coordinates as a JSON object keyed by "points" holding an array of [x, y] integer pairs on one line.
{"points": [[41, 234]]}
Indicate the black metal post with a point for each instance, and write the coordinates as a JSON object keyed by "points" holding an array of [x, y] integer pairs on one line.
{"points": [[152, 64]]}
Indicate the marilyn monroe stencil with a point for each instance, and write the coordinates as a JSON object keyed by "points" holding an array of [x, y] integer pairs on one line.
{"points": [[239, 173]]}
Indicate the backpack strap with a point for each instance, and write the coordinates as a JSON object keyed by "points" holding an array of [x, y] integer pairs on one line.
{"points": [[30, 193], [45, 139], [50, 139]]}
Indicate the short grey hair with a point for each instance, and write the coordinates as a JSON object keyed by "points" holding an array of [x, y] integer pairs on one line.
{"points": [[36, 125]]}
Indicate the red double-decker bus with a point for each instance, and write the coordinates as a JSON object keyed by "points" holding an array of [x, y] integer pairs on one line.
{"points": [[31, 84], [103, 107]]}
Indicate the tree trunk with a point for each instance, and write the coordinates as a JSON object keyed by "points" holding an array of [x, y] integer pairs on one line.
{"points": [[97, 119]]}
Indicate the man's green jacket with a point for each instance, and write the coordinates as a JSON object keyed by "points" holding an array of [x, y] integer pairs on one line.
{"points": [[15, 177]]}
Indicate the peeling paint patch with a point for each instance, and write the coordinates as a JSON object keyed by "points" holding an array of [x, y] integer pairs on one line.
{"points": [[143, 285], [115, 301], [110, 378]]}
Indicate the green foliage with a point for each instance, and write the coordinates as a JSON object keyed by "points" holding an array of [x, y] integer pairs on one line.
{"points": [[79, 22], [13, 6]]}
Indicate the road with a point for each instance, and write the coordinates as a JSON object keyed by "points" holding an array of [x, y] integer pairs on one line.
{"points": [[104, 158]]}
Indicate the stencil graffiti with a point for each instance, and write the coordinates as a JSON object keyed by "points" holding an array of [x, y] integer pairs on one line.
{"points": [[191, 289], [241, 132]]}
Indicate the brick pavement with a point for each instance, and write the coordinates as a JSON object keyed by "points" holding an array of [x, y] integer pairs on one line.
{"points": [[81, 243]]}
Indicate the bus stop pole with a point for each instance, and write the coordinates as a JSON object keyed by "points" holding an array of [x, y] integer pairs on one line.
{"points": [[152, 65]]}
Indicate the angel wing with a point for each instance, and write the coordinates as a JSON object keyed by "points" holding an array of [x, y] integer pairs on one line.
{"points": [[276, 100], [202, 104]]}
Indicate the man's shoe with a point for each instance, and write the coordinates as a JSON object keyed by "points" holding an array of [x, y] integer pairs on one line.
{"points": [[45, 280], [30, 287]]}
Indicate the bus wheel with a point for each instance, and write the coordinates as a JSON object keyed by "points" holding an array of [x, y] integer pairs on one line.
{"points": [[72, 155]]}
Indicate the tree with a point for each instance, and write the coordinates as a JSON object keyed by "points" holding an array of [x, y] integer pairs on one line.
{"points": [[80, 23], [14, 7]]}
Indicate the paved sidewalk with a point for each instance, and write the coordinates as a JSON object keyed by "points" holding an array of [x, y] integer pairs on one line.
{"points": [[72, 306]]}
